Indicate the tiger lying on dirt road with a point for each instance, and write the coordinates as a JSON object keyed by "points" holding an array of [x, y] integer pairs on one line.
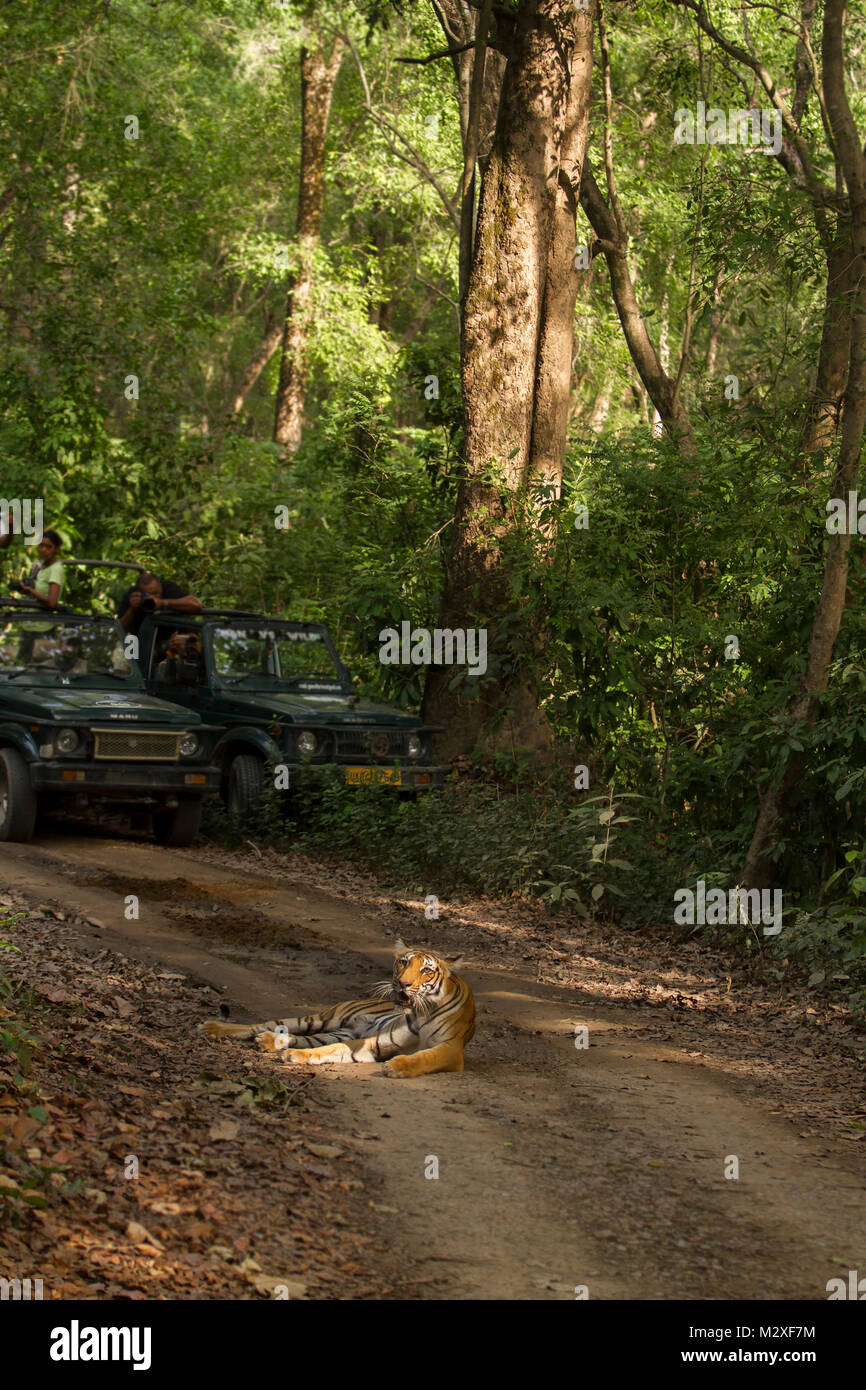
{"points": [[417, 1022]]}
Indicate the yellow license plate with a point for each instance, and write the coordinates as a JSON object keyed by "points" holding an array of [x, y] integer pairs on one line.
{"points": [[361, 776]]}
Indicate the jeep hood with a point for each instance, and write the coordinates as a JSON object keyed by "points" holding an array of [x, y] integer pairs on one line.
{"points": [[93, 707], [304, 707]]}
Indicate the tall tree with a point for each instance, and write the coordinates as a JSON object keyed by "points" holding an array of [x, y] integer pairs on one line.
{"points": [[320, 65], [516, 334], [479, 70], [554, 373]]}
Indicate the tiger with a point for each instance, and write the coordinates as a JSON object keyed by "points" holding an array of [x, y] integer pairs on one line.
{"points": [[417, 1022]]}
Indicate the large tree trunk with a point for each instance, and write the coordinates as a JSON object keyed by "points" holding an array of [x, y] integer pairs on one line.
{"points": [[479, 71], [508, 313], [556, 336], [319, 68], [778, 794]]}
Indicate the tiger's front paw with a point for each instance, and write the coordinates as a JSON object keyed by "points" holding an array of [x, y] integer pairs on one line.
{"points": [[399, 1066], [299, 1057], [318, 1056]]}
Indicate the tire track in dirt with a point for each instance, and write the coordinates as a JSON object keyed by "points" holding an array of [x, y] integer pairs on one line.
{"points": [[558, 1167]]}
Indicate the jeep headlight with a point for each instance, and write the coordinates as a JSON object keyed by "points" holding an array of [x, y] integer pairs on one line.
{"points": [[189, 745], [415, 746], [307, 743], [66, 741]]}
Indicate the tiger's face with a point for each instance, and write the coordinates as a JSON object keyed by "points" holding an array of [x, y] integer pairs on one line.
{"points": [[421, 977]]}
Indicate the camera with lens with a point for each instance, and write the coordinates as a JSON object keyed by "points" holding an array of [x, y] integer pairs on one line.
{"points": [[16, 587], [181, 666], [148, 604]]}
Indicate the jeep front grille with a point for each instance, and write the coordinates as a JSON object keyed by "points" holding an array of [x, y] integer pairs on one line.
{"points": [[136, 746], [370, 743]]}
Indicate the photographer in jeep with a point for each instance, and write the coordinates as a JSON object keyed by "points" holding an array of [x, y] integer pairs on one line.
{"points": [[182, 662], [150, 594]]}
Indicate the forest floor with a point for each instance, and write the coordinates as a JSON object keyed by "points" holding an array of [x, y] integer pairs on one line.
{"points": [[561, 1168]]}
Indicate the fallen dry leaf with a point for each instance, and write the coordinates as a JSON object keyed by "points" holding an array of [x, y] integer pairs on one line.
{"points": [[326, 1150], [223, 1129], [141, 1235]]}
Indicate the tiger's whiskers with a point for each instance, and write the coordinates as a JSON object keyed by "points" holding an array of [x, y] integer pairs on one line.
{"points": [[383, 989]]}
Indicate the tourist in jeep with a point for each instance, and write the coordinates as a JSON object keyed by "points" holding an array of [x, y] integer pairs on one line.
{"points": [[60, 651], [47, 585], [150, 594]]}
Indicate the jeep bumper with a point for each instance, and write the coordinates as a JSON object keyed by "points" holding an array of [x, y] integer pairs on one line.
{"points": [[123, 780]]}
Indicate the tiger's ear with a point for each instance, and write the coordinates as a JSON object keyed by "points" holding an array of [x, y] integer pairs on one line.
{"points": [[455, 962], [399, 946]]}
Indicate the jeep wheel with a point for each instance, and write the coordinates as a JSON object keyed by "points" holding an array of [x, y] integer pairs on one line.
{"points": [[246, 784], [179, 826], [17, 797]]}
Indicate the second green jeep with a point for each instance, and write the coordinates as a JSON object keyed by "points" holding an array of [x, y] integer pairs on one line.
{"points": [[287, 702]]}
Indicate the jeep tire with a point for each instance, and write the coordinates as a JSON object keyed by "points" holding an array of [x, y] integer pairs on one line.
{"points": [[245, 784], [17, 797]]}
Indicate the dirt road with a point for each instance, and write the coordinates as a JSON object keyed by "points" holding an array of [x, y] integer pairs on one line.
{"points": [[559, 1167]]}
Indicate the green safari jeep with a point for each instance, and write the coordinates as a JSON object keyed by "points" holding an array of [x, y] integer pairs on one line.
{"points": [[78, 728], [287, 702]]}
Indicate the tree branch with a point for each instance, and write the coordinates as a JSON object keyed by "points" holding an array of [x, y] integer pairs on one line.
{"points": [[409, 155], [442, 53], [615, 204], [813, 185]]}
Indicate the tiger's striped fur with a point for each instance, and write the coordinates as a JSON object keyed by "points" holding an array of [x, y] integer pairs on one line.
{"points": [[420, 1022]]}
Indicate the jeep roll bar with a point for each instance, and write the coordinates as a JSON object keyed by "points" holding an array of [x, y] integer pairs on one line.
{"points": [[107, 565]]}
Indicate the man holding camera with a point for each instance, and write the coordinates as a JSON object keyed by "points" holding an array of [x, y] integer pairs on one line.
{"points": [[182, 663], [150, 594]]}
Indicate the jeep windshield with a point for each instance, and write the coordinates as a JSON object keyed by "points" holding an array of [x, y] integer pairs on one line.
{"points": [[47, 650], [256, 656]]}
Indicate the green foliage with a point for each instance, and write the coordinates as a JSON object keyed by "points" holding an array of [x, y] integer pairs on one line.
{"points": [[478, 836], [589, 827]]}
